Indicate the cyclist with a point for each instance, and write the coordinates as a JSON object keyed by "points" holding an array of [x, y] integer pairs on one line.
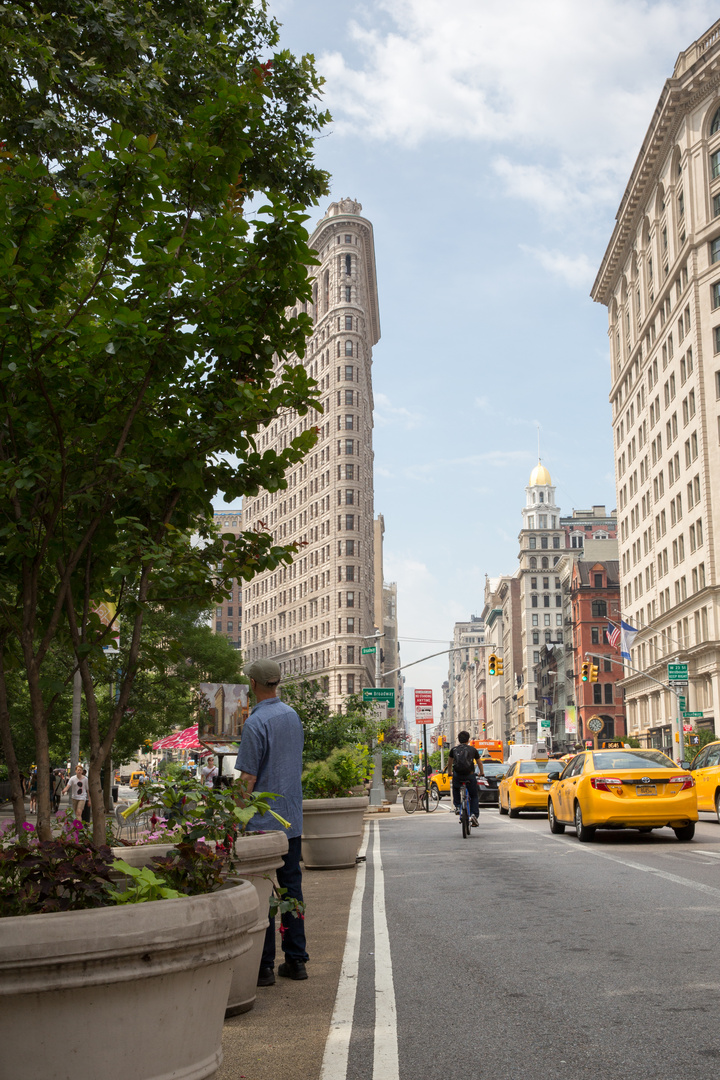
{"points": [[464, 759]]}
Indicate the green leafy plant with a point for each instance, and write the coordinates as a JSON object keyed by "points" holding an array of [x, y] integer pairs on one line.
{"points": [[342, 770], [704, 736], [144, 885], [191, 868], [54, 875], [281, 903]]}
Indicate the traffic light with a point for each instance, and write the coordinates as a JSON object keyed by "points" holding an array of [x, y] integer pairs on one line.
{"points": [[593, 673], [585, 671], [492, 664], [499, 666]]}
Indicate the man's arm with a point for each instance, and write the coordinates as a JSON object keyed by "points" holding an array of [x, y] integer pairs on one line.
{"points": [[248, 780], [479, 763]]}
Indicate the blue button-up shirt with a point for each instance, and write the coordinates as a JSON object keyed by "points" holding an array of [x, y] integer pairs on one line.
{"points": [[271, 749]]}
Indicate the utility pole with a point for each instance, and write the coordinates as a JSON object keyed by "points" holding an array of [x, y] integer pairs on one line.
{"points": [[377, 791]]}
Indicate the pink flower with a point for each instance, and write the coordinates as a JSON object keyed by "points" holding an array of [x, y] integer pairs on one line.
{"points": [[28, 827]]}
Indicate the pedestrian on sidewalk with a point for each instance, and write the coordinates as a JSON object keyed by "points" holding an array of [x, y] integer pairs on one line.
{"points": [[270, 759], [78, 788], [33, 791]]}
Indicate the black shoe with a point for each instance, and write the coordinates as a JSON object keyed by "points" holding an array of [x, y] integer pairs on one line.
{"points": [[266, 977], [293, 969]]}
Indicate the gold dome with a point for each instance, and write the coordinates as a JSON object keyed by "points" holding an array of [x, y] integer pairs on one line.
{"points": [[540, 477]]}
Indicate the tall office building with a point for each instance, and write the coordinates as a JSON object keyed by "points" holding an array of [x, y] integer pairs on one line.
{"points": [[314, 616], [660, 280], [227, 620]]}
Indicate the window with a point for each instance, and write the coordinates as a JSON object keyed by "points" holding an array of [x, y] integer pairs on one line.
{"points": [[607, 664], [218, 625], [599, 608], [348, 264], [348, 238], [229, 625], [351, 626], [715, 250], [349, 446], [597, 694], [608, 693], [558, 600], [556, 541], [558, 620], [546, 620], [536, 637], [350, 573], [348, 348], [350, 599], [536, 657], [349, 547], [348, 294], [348, 421], [715, 125], [598, 581], [348, 322], [533, 583], [349, 397], [546, 601], [535, 620], [716, 205], [349, 522], [349, 373], [532, 542], [595, 635], [533, 562], [350, 654], [715, 165], [349, 496], [543, 542], [534, 600], [350, 679], [218, 613]]}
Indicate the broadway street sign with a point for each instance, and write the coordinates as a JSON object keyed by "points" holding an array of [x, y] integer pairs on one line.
{"points": [[380, 693]]}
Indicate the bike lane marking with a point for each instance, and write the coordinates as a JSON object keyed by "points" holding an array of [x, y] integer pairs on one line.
{"points": [[337, 1046], [385, 1056]]}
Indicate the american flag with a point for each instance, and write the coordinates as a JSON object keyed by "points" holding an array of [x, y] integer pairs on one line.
{"points": [[613, 634]]}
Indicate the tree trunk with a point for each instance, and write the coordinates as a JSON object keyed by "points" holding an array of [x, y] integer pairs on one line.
{"points": [[16, 788]]}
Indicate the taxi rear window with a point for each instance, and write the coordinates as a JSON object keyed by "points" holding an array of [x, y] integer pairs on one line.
{"points": [[536, 766], [638, 759]]}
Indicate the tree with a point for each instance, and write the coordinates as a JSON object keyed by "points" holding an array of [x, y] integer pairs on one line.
{"points": [[145, 327]]}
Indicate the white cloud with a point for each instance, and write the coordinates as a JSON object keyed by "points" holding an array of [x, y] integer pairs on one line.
{"points": [[578, 272], [386, 414], [562, 91]]}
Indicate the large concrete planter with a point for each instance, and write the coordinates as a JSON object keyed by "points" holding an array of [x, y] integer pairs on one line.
{"points": [[391, 793], [332, 832], [140, 855], [76, 986], [259, 855]]}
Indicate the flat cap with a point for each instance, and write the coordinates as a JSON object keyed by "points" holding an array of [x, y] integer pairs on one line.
{"points": [[265, 672]]}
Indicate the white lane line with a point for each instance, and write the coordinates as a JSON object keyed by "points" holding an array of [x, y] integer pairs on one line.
{"points": [[587, 849], [385, 1056], [337, 1046]]}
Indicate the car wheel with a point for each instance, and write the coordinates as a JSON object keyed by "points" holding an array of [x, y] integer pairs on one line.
{"points": [[501, 808], [686, 832], [717, 804], [512, 810], [585, 833], [555, 825]]}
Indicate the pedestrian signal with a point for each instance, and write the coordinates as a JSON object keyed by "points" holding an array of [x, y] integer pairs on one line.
{"points": [[492, 664], [593, 673], [585, 671]]}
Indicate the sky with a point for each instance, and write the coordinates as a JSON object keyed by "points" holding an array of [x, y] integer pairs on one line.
{"points": [[489, 142]]}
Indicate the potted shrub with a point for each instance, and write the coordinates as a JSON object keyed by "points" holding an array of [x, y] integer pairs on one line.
{"points": [[220, 816], [390, 759], [332, 817], [154, 955]]}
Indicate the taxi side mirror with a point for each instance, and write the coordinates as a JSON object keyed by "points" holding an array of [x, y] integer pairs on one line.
{"points": [[685, 765], [554, 776]]}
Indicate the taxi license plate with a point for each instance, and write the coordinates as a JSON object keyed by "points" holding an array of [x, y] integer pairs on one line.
{"points": [[646, 789]]}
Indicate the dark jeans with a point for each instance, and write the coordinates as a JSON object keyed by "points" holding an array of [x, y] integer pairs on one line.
{"points": [[472, 787], [289, 877]]}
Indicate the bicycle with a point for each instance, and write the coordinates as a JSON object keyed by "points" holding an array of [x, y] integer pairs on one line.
{"points": [[414, 798], [464, 809]]}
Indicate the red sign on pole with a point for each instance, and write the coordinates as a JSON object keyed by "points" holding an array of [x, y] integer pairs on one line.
{"points": [[423, 707]]}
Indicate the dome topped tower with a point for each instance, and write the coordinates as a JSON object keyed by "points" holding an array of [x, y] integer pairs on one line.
{"points": [[540, 476]]}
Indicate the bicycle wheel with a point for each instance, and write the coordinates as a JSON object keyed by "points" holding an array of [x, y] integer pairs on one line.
{"points": [[465, 812], [434, 800], [410, 800]]}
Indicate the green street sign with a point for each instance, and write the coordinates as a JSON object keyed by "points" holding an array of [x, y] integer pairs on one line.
{"points": [[681, 703], [677, 673], [692, 715], [368, 650], [380, 693]]}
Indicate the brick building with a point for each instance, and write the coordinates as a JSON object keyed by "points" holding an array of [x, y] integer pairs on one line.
{"points": [[595, 599]]}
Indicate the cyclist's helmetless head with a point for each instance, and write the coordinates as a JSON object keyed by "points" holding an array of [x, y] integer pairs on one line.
{"points": [[463, 736]]}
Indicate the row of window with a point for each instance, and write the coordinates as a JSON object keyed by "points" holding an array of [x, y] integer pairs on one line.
{"points": [[544, 542], [546, 600]]}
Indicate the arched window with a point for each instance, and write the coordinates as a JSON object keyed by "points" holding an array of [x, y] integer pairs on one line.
{"points": [[533, 541], [533, 562], [715, 125], [348, 348], [545, 562]]}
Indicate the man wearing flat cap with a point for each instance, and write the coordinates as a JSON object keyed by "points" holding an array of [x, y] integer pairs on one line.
{"points": [[270, 759]]}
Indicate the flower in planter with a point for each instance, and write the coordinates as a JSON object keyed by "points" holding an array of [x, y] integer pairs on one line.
{"points": [[343, 769]]}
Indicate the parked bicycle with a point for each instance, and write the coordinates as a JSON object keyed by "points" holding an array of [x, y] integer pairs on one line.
{"points": [[414, 799]]}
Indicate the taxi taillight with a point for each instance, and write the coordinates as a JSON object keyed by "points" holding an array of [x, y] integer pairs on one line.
{"points": [[685, 781], [605, 783], [521, 782]]}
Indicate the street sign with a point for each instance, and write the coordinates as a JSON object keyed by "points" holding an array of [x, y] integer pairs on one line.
{"points": [[423, 707], [677, 673], [595, 724], [380, 693], [368, 650], [692, 715], [681, 703]]}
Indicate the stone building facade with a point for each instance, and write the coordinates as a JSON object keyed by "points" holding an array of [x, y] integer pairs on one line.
{"points": [[660, 280], [314, 616]]}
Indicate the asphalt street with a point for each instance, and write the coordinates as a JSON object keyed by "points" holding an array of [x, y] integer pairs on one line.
{"points": [[520, 954]]}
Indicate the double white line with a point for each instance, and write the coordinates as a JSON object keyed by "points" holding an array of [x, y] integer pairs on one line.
{"points": [[385, 1053]]}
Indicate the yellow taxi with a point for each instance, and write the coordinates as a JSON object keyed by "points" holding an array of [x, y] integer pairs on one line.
{"points": [[623, 789], [705, 768], [525, 785]]}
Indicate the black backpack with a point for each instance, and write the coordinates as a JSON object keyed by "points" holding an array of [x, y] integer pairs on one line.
{"points": [[463, 760]]}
